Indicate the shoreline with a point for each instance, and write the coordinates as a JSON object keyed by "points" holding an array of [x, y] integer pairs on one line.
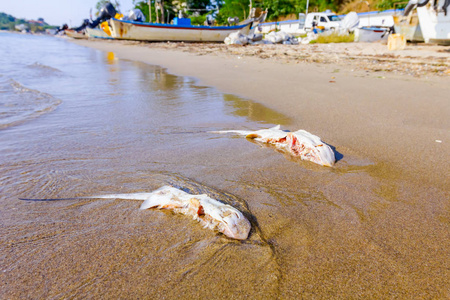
{"points": [[381, 116], [374, 225]]}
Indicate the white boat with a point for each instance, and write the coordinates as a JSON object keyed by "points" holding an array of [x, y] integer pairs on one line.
{"points": [[371, 34], [295, 27], [75, 34], [131, 30], [435, 21], [383, 18], [97, 33]]}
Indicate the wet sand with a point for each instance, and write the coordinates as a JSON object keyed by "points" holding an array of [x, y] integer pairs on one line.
{"points": [[374, 226], [381, 229], [384, 116]]}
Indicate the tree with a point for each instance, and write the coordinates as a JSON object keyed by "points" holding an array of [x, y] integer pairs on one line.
{"points": [[172, 7], [233, 8], [276, 8], [198, 4], [280, 8]]}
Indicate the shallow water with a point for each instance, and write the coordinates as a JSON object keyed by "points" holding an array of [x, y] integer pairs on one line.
{"points": [[79, 122]]}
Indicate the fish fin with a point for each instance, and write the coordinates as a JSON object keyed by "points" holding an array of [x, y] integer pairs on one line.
{"points": [[131, 196], [166, 199], [149, 203], [240, 132]]}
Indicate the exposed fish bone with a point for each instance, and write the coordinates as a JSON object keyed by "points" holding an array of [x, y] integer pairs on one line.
{"points": [[210, 213], [299, 143]]}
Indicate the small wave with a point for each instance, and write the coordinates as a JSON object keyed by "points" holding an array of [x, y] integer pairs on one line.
{"points": [[45, 68], [19, 104]]}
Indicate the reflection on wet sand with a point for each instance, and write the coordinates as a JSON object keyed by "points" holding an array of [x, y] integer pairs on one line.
{"points": [[254, 111]]}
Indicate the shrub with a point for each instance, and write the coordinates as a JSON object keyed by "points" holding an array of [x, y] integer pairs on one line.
{"points": [[334, 38]]}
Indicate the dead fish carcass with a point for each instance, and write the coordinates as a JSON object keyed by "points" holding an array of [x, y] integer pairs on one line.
{"points": [[209, 212], [299, 143]]}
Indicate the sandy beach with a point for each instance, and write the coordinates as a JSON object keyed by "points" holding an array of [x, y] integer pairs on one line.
{"points": [[385, 234], [136, 116], [386, 106]]}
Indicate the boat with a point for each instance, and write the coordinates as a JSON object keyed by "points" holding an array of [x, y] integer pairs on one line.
{"points": [[434, 21], [295, 27], [409, 27], [177, 32], [371, 34], [75, 34], [383, 18], [97, 33]]}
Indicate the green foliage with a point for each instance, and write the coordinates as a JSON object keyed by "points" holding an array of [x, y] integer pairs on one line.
{"points": [[8, 22], [6, 19], [232, 8], [198, 4], [143, 6], [197, 10], [334, 38], [198, 20], [390, 4], [276, 8]]}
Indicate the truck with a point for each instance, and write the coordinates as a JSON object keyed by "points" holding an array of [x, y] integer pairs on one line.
{"points": [[323, 20]]}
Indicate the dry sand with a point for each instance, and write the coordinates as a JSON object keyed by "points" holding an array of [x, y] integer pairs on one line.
{"points": [[387, 106]]}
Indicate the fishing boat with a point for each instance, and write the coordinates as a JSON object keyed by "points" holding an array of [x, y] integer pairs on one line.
{"points": [[434, 19], [177, 32], [371, 34], [97, 33], [409, 27], [435, 22], [75, 34]]}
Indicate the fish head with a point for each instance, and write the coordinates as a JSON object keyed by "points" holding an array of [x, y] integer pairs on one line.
{"points": [[310, 147], [234, 225]]}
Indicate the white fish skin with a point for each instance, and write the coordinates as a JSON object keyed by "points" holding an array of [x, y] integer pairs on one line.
{"points": [[299, 143], [262, 132], [210, 213]]}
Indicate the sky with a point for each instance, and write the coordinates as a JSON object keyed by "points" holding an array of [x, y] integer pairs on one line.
{"points": [[56, 12]]}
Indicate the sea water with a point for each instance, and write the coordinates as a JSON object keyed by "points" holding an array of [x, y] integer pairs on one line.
{"points": [[63, 101], [78, 122]]}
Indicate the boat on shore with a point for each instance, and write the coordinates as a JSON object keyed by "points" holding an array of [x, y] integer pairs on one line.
{"points": [[97, 33], [434, 19], [371, 34], [409, 27], [75, 34], [156, 32], [435, 22]]}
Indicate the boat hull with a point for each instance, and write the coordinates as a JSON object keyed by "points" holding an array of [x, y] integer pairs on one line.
{"points": [[365, 34], [97, 33], [409, 27], [435, 26], [75, 35], [129, 30]]}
